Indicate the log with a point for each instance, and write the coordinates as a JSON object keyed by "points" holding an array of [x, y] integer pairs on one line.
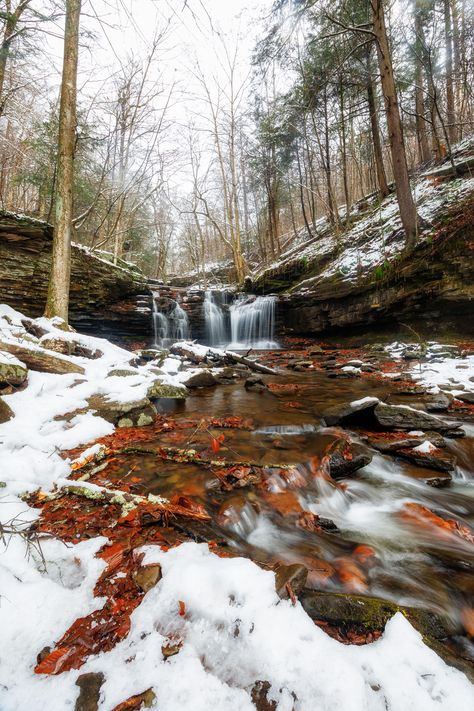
{"points": [[252, 364]]}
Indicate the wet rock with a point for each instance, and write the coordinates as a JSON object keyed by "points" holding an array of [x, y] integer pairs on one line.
{"points": [[204, 379], [315, 351], [294, 575], [255, 383], [6, 413], [355, 363], [434, 459], [147, 576], [12, 370], [40, 359], [401, 417], [467, 397], [366, 368], [339, 413], [135, 413], [89, 685], [345, 458]]}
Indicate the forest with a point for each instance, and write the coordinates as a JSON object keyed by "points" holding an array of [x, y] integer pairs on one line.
{"points": [[236, 355]]}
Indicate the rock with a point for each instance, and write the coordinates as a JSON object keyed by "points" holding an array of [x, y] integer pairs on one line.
{"points": [[57, 344], [466, 397], [436, 459], [90, 685], [147, 576], [355, 363], [401, 417], [6, 413], [366, 368], [345, 458], [135, 413], [121, 373], [259, 695], [37, 358], [159, 389], [294, 575], [315, 351], [437, 402], [255, 383], [156, 355], [414, 353], [203, 379], [12, 370], [339, 413]]}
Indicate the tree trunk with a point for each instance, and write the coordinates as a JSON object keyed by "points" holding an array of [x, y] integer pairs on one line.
{"points": [[59, 282], [397, 145], [448, 36], [374, 126], [421, 134]]}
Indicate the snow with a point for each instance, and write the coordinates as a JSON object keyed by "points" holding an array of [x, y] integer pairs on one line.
{"points": [[9, 359], [235, 631], [425, 448], [365, 401]]}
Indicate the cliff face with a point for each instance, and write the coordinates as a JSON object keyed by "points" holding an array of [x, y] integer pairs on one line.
{"points": [[362, 276], [106, 300]]}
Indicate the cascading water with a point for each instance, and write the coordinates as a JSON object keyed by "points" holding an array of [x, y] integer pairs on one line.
{"points": [[170, 327], [252, 323], [216, 332]]}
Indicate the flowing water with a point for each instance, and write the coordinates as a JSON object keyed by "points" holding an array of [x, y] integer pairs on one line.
{"points": [[375, 544], [247, 322], [171, 326]]}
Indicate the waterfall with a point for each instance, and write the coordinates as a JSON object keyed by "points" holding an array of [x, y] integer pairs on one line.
{"points": [[171, 326], [252, 323], [216, 332]]}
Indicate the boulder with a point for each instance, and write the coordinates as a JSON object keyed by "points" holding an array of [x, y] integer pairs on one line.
{"points": [[135, 413], [159, 389], [401, 417], [437, 402], [335, 415], [57, 344], [37, 358], [12, 370], [203, 379], [346, 457]]}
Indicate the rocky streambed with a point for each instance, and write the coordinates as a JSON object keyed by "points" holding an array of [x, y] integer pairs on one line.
{"points": [[346, 470]]}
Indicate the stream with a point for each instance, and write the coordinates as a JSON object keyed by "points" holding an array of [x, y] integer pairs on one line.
{"points": [[357, 534]]}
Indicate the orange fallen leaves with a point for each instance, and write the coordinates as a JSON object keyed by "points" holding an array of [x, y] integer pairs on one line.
{"points": [[424, 518]]}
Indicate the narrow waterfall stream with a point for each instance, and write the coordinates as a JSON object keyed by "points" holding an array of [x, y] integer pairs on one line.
{"points": [[216, 331], [169, 326]]}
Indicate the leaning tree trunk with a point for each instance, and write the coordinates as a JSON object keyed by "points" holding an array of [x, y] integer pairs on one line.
{"points": [[59, 282], [397, 145]]}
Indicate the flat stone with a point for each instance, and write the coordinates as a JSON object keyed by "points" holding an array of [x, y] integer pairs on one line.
{"points": [[401, 417], [335, 415], [255, 383], [438, 402]]}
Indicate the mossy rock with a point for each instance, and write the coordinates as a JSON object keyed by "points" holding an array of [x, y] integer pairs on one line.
{"points": [[12, 370], [158, 389], [6, 413]]}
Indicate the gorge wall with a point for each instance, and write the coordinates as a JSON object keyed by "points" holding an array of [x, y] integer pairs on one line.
{"points": [[106, 300]]}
